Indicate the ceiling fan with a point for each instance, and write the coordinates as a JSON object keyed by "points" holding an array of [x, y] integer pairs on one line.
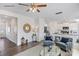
{"points": [[9, 5], [34, 6]]}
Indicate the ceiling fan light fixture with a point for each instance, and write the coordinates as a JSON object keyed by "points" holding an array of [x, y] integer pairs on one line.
{"points": [[28, 10], [34, 7], [38, 10], [33, 10]]}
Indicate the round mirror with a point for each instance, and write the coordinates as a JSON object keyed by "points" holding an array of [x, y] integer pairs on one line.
{"points": [[27, 28]]}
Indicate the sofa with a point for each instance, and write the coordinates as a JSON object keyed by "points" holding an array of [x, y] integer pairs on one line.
{"points": [[64, 43]]}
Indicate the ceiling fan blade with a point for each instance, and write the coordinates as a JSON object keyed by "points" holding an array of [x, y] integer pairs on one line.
{"points": [[38, 10], [8, 6], [41, 5], [23, 4], [28, 10]]}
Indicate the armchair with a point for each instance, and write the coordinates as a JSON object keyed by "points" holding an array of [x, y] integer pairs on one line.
{"points": [[48, 42]]}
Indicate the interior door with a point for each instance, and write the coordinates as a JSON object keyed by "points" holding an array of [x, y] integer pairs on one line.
{"points": [[2, 28]]}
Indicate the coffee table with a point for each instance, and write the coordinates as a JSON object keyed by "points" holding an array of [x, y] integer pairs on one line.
{"points": [[55, 51]]}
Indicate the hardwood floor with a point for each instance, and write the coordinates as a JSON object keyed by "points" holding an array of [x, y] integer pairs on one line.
{"points": [[8, 48]]}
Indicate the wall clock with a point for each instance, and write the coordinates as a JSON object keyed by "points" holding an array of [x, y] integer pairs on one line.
{"points": [[27, 28]]}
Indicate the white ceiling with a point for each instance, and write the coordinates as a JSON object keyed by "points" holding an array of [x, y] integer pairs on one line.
{"points": [[70, 10]]}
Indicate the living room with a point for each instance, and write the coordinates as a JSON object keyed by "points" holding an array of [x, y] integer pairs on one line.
{"points": [[59, 20]]}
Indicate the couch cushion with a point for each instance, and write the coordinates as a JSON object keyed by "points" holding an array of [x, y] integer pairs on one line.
{"points": [[48, 38], [47, 43], [64, 39]]}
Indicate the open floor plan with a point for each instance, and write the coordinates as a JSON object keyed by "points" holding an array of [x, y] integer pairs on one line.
{"points": [[39, 29]]}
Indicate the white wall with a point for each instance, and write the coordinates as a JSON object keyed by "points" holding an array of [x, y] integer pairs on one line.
{"points": [[42, 23], [56, 27], [21, 32], [21, 21], [11, 29], [3, 12], [53, 27]]}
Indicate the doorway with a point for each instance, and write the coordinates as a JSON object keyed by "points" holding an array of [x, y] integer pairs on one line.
{"points": [[8, 28]]}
